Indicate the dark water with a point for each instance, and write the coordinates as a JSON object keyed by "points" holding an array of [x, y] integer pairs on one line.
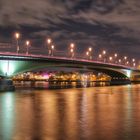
{"points": [[95, 113]]}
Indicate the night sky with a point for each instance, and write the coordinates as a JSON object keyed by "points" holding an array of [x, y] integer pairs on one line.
{"points": [[113, 25]]}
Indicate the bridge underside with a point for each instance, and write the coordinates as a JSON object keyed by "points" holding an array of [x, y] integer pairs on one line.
{"points": [[13, 67]]}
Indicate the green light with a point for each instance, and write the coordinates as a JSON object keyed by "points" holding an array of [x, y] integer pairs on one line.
{"points": [[128, 73], [7, 67]]}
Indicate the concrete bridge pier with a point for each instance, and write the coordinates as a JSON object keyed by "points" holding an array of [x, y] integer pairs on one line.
{"points": [[6, 85], [120, 81]]}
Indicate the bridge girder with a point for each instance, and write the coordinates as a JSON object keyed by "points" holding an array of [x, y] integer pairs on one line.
{"points": [[13, 67]]}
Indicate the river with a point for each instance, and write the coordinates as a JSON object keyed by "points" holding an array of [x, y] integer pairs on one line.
{"points": [[94, 113]]}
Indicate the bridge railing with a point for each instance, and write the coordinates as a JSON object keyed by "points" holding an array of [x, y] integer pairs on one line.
{"points": [[34, 52]]}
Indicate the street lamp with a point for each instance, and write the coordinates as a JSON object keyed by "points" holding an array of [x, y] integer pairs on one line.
{"points": [[72, 47], [87, 53], [52, 49], [17, 36], [127, 62], [104, 53], [110, 59], [120, 61], [125, 57], [134, 64], [115, 55], [133, 60], [27, 46], [90, 49], [49, 41], [90, 52], [100, 56]]}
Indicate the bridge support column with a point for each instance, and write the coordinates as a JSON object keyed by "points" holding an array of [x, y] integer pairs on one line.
{"points": [[120, 81], [6, 85]]}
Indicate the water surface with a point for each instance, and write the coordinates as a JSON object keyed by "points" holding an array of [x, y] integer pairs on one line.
{"points": [[95, 113]]}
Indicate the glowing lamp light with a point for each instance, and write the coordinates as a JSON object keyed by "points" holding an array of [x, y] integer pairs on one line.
{"points": [[104, 52], [71, 50], [87, 53], [133, 60], [115, 55], [27, 42], [90, 49], [49, 40], [127, 62], [52, 46], [110, 58], [134, 64], [72, 45], [125, 57], [100, 56], [17, 35]]}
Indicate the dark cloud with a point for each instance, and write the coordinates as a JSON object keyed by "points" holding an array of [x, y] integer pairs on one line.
{"points": [[100, 23]]}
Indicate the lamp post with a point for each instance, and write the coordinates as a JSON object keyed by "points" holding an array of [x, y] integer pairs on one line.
{"points": [[72, 47], [52, 50], [125, 58], [27, 47], [133, 60], [49, 41], [115, 56], [104, 54], [110, 59], [119, 61], [87, 54], [17, 36], [134, 65], [100, 56], [90, 52]]}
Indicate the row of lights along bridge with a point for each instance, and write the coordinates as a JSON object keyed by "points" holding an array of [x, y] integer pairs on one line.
{"points": [[101, 57]]}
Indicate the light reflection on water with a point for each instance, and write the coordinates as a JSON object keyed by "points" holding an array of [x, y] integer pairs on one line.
{"points": [[57, 85], [95, 113]]}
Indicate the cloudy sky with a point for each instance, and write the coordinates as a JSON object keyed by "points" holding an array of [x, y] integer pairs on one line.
{"points": [[103, 24]]}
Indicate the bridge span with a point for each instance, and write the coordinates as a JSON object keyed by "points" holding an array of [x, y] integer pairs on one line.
{"points": [[12, 64]]}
